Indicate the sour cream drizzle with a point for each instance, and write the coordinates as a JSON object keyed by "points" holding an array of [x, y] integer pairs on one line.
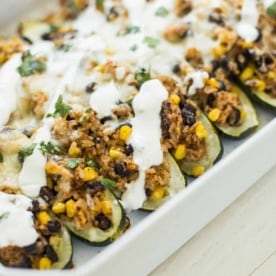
{"points": [[16, 222], [9, 84], [145, 138]]}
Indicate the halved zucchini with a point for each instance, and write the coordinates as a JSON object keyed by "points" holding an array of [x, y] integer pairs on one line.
{"points": [[214, 151], [96, 236], [177, 183], [250, 123]]}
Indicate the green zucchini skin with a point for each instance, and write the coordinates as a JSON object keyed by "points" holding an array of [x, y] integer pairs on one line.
{"points": [[214, 150], [249, 125], [96, 236], [177, 184]]}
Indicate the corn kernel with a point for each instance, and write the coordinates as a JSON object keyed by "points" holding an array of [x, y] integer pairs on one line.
{"points": [[235, 89], [109, 51], [158, 193], [201, 131], [243, 115], [247, 73], [214, 114], [106, 207], [260, 86], [55, 241], [197, 171], [175, 99], [125, 132], [89, 174], [82, 218], [100, 69], [219, 51], [74, 150], [246, 44], [58, 208], [44, 263], [114, 153], [52, 168], [271, 75], [70, 208], [43, 218], [180, 152], [213, 82]]}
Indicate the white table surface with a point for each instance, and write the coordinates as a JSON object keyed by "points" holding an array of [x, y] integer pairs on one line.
{"points": [[240, 241]]}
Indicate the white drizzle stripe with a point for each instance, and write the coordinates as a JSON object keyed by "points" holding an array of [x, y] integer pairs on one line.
{"points": [[145, 138], [16, 223]]}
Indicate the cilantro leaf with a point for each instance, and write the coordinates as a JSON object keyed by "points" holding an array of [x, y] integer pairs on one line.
{"points": [[108, 183], [49, 148], [132, 29], [99, 3], [61, 108], [142, 75], [91, 163], [30, 65], [151, 41], [1, 158], [271, 10], [72, 163], [133, 48], [25, 152], [162, 12], [4, 215]]}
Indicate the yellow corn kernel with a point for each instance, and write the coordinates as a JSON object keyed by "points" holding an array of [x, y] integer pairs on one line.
{"points": [[243, 115], [43, 218], [180, 152], [214, 114], [125, 132], [44, 263], [70, 208], [247, 73], [197, 171], [271, 75], [114, 153], [52, 168], [175, 99], [201, 131], [158, 193], [246, 44], [235, 89], [109, 51], [82, 218], [58, 208], [100, 69], [106, 207], [260, 86], [219, 51], [74, 150], [89, 174], [213, 82]]}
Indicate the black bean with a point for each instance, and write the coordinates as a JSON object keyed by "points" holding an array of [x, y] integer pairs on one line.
{"points": [[148, 192], [47, 194], [105, 119], [121, 169], [165, 123], [248, 53], [215, 65], [176, 68], [224, 62], [112, 14], [216, 18], [241, 62], [36, 248], [51, 253], [54, 226], [221, 85], [103, 222], [91, 87], [35, 206], [128, 149], [188, 114], [211, 99], [93, 187], [234, 118], [47, 36], [268, 60], [260, 36], [24, 262]]}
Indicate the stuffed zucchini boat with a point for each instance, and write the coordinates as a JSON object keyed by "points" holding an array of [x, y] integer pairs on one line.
{"points": [[41, 242]]}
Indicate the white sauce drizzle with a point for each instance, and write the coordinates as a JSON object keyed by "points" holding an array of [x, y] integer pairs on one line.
{"points": [[246, 28], [9, 84], [145, 138], [197, 78], [16, 223]]}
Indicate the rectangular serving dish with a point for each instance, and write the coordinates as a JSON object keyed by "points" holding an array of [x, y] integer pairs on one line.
{"points": [[155, 236]]}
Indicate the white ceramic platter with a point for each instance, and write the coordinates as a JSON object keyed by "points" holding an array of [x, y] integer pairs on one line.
{"points": [[155, 236]]}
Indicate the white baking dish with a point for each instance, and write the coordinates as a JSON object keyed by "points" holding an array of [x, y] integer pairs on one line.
{"points": [[153, 237]]}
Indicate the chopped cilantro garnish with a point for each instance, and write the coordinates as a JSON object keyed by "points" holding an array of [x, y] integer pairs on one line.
{"points": [[162, 12], [53, 27], [151, 41], [72, 163], [132, 29], [4, 215], [49, 148], [30, 65], [1, 157], [142, 75], [133, 48], [91, 163], [271, 10], [61, 108], [99, 2], [108, 183], [25, 152]]}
